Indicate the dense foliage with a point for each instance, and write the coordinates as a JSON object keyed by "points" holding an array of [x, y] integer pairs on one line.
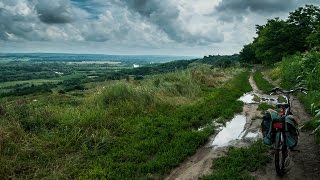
{"points": [[20, 70], [302, 69], [279, 38], [220, 61]]}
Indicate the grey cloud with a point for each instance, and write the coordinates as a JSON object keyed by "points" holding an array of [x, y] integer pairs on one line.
{"points": [[55, 11], [165, 16], [14, 25], [233, 10], [33, 20], [230, 10], [267, 6], [96, 37]]}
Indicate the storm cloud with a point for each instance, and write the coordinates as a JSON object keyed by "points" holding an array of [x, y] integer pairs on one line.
{"points": [[235, 10], [266, 6], [149, 26], [54, 11], [166, 16]]}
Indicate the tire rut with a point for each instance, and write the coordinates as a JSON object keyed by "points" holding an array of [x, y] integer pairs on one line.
{"points": [[200, 163]]}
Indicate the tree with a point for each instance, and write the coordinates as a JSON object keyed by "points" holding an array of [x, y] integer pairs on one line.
{"points": [[273, 42], [247, 55], [304, 21], [313, 39], [279, 38]]}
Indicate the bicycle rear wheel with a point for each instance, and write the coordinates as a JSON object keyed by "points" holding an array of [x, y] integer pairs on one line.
{"points": [[280, 153]]}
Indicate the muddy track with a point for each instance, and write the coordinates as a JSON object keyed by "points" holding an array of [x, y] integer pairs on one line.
{"points": [[200, 163], [305, 164]]}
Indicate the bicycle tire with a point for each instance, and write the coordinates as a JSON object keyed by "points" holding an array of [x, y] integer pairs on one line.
{"points": [[280, 153]]}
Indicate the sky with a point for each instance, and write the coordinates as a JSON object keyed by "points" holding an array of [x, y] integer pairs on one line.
{"points": [[136, 27]]}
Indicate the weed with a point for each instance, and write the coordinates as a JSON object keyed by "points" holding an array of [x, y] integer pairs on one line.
{"points": [[238, 162]]}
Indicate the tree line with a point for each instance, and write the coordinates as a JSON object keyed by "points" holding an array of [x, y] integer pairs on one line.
{"points": [[279, 38]]}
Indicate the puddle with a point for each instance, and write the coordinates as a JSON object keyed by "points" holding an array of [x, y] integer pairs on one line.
{"points": [[252, 134], [230, 132], [251, 97], [247, 98]]}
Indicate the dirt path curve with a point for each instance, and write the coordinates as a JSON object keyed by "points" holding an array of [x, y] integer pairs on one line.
{"points": [[200, 163], [305, 164]]}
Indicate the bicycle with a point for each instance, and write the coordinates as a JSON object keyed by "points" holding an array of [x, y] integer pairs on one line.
{"points": [[283, 131]]}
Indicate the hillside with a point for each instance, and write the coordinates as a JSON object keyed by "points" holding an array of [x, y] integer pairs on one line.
{"points": [[119, 128]]}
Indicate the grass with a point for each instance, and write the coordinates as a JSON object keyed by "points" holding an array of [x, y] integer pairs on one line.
{"points": [[265, 106], [262, 83], [129, 129], [34, 81], [302, 69], [239, 162]]}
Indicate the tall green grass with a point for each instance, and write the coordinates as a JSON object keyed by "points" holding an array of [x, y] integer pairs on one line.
{"points": [[123, 131], [261, 82]]}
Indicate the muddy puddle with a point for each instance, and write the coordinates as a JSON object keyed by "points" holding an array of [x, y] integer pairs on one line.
{"points": [[255, 98], [238, 129], [232, 131]]}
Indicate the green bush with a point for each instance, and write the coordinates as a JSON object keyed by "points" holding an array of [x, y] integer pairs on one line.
{"points": [[303, 69]]}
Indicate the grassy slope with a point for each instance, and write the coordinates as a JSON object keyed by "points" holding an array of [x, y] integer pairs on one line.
{"points": [[125, 130]]}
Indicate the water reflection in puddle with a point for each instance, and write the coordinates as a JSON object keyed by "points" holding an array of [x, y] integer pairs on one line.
{"points": [[252, 134], [247, 98], [230, 132]]}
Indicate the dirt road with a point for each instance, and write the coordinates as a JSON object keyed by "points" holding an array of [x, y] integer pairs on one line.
{"points": [[305, 165]]}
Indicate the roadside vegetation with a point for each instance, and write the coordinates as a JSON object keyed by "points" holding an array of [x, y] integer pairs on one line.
{"points": [[261, 82], [239, 162], [303, 70], [118, 129]]}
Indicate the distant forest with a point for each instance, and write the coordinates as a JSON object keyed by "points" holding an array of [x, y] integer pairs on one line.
{"points": [[222, 61]]}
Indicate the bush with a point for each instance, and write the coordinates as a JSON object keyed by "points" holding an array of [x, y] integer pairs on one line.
{"points": [[303, 69]]}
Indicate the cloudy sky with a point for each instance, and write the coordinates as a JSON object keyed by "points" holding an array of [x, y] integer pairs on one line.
{"points": [[171, 27]]}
